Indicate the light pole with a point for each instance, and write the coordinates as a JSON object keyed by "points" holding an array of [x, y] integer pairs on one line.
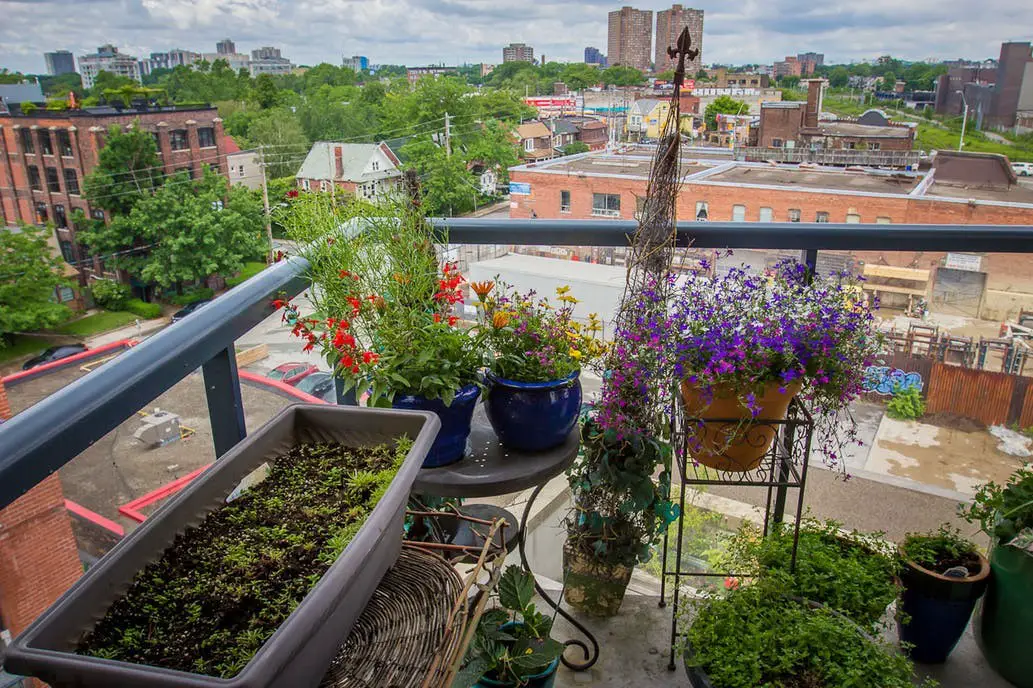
{"points": [[964, 120]]}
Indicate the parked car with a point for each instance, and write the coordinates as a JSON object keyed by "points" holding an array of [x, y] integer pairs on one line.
{"points": [[319, 384], [292, 373], [1023, 169], [54, 353], [190, 308]]}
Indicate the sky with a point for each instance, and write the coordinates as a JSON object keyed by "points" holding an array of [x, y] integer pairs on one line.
{"points": [[420, 32]]}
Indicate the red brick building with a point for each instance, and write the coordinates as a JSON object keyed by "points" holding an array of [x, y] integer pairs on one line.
{"points": [[44, 157]]}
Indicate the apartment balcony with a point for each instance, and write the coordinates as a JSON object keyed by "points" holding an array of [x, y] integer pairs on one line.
{"points": [[49, 433]]}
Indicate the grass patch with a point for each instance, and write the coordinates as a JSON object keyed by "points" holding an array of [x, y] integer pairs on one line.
{"points": [[22, 345], [250, 270], [97, 323]]}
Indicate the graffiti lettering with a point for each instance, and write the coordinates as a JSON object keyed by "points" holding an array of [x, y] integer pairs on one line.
{"points": [[884, 380]]}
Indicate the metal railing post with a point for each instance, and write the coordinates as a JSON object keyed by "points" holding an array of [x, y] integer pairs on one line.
{"points": [[225, 407]]}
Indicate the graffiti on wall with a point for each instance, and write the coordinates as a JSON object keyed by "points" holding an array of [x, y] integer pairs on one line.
{"points": [[884, 380]]}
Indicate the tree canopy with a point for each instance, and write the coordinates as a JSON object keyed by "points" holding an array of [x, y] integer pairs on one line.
{"points": [[128, 169], [725, 105], [29, 273]]}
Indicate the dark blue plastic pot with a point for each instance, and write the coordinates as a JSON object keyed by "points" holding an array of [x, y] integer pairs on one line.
{"points": [[937, 609], [455, 423], [545, 679], [533, 416]]}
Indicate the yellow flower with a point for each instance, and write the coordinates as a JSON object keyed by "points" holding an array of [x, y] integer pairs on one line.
{"points": [[574, 353], [500, 319], [569, 299], [562, 290]]}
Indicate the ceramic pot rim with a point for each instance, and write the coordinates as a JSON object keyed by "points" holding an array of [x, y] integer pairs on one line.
{"points": [[516, 384]]}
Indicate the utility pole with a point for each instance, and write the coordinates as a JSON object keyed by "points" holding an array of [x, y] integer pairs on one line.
{"points": [[964, 120], [265, 204], [448, 138]]}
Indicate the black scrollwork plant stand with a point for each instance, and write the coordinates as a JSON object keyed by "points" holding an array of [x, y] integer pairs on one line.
{"points": [[784, 466]]}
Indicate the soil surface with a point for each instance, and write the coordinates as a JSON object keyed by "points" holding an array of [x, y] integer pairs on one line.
{"points": [[953, 422], [223, 587]]}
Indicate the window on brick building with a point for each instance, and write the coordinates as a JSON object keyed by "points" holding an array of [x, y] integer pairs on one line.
{"points": [[606, 205], [53, 180], [71, 182], [776, 143], [306, 185], [702, 212], [853, 218], [60, 217], [794, 214], [883, 221], [564, 201], [874, 145], [97, 214], [45, 144], [738, 213], [206, 137], [64, 143], [178, 139], [26, 136], [34, 183], [767, 215], [214, 167], [67, 252], [849, 145], [41, 213], [821, 216]]}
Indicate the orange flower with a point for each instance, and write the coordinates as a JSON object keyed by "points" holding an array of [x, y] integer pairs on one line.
{"points": [[402, 279], [482, 289], [500, 319]]}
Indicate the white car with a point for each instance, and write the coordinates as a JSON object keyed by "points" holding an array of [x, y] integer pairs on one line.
{"points": [[1023, 169]]}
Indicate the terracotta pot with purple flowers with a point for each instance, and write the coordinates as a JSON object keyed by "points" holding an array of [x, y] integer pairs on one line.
{"points": [[745, 345]]}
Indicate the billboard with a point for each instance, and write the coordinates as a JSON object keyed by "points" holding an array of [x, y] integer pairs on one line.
{"points": [[551, 102], [520, 188]]}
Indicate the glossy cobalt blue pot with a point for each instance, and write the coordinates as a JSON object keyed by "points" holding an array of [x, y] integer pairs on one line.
{"points": [[544, 679], [533, 416], [455, 423]]}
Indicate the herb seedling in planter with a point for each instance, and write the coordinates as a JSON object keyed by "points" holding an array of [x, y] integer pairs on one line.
{"points": [[512, 646], [943, 576]]}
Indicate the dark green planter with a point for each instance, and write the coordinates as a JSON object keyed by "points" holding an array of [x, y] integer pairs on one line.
{"points": [[1006, 622]]}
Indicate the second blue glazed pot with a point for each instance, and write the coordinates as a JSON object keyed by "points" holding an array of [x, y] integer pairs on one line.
{"points": [[533, 416], [455, 423]]}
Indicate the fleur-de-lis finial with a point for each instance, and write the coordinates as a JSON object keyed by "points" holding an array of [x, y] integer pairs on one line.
{"points": [[682, 49]]}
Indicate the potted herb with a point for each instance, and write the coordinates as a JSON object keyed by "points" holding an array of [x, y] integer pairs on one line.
{"points": [[534, 375], [758, 636], [512, 646], [254, 573], [1005, 513], [384, 313], [943, 575], [744, 346], [621, 481]]}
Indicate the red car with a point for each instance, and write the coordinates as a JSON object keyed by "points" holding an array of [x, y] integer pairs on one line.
{"points": [[291, 373]]}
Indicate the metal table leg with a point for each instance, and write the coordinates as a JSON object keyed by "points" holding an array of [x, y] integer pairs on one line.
{"points": [[591, 657]]}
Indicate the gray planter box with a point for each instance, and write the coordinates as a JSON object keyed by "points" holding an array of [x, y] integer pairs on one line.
{"points": [[300, 650]]}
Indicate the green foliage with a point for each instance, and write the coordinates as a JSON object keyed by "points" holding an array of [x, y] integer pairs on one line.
{"points": [[667, 75], [9, 77], [449, 188], [127, 171], [725, 105], [575, 148], [21, 346], [849, 572], [790, 82], [905, 404], [280, 131], [192, 295], [265, 92], [839, 77], [28, 107], [110, 294], [703, 537], [186, 231], [1005, 513], [105, 321], [142, 309], [59, 86], [510, 653], [579, 76], [937, 550], [250, 269], [108, 81], [756, 636], [29, 273], [57, 106], [621, 75]]}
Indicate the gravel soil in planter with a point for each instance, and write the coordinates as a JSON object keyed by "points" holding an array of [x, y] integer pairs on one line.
{"points": [[252, 587]]}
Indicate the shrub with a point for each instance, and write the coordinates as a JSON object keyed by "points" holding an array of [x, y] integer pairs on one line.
{"points": [[906, 404], [110, 294], [28, 107], [191, 295], [249, 270], [143, 309]]}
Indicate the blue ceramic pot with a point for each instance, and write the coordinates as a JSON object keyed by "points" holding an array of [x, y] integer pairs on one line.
{"points": [[533, 416], [455, 423], [545, 679]]}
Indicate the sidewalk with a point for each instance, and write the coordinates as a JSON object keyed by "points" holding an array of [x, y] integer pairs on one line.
{"points": [[140, 330]]}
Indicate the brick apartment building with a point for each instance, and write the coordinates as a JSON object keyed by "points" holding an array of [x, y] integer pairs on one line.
{"points": [[630, 38], [44, 157], [669, 25], [795, 124], [995, 95]]}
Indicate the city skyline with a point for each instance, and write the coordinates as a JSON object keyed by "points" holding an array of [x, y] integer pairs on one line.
{"points": [[471, 31]]}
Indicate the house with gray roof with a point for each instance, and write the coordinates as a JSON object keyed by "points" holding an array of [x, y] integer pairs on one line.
{"points": [[367, 170]]}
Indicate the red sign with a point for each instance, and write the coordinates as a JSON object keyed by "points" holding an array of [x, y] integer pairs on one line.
{"points": [[551, 102]]}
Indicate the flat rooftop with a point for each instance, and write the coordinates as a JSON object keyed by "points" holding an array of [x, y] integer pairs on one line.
{"points": [[611, 164], [810, 178], [1020, 193]]}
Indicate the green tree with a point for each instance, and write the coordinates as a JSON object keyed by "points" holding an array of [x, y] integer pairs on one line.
{"points": [[494, 145], [621, 75], [701, 75], [187, 230], [839, 77], [723, 105], [889, 81], [9, 77], [578, 76], [106, 81], [29, 273], [666, 76], [575, 148], [789, 81], [448, 187], [156, 76], [127, 171], [286, 144], [265, 92], [59, 86]]}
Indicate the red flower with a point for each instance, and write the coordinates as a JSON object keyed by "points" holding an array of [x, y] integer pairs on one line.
{"points": [[343, 274], [355, 370], [437, 317], [279, 303], [279, 256], [369, 357], [356, 305], [452, 320], [347, 361], [293, 193]]}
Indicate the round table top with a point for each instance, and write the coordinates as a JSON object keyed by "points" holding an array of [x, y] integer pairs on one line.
{"points": [[489, 469]]}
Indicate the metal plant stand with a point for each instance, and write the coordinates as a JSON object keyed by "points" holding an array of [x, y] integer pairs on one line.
{"points": [[490, 470], [784, 466]]}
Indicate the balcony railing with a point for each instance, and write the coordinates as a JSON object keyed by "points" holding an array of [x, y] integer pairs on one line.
{"points": [[43, 438]]}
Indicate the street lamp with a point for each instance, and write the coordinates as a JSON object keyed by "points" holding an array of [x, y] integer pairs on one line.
{"points": [[964, 120]]}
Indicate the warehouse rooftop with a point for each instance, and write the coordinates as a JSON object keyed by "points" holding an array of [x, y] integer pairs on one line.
{"points": [[863, 181]]}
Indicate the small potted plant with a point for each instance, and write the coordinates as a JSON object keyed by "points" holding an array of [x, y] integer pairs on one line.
{"points": [[1005, 513], [744, 346], [512, 646], [534, 374], [943, 576]]}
